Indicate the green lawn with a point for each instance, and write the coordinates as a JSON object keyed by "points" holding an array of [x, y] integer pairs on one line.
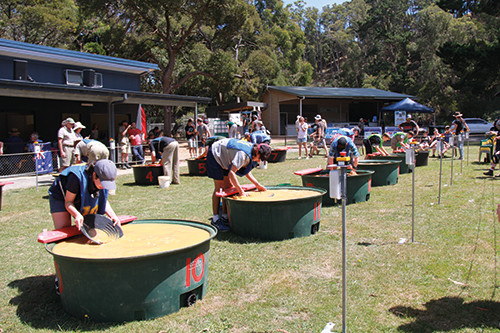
{"points": [[448, 281]]}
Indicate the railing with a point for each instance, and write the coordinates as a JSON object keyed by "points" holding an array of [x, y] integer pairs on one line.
{"points": [[28, 163]]}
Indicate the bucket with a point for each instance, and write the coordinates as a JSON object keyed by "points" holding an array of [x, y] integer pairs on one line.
{"points": [[197, 167], [135, 287], [277, 219], [358, 186], [147, 174], [386, 171], [164, 181]]}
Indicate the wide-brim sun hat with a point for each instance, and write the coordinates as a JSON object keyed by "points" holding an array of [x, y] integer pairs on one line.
{"points": [[69, 120], [78, 125], [457, 114], [318, 117]]}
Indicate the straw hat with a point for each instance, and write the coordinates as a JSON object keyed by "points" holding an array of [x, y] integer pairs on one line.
{"points": [[78, 125]]}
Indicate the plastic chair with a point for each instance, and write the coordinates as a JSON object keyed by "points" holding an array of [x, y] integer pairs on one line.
{"points": [[486, 147]]}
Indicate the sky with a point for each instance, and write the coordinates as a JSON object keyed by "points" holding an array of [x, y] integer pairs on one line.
{"points": [[316, 3]]}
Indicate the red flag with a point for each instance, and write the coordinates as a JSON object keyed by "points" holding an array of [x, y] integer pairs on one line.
{"points": [[141, 121]]}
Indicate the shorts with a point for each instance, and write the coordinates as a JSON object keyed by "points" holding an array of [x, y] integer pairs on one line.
{"points": [[67, 161], [368, 146], [301, 140], [56, 206], [191, 143], [201, 144], [214, 170]]}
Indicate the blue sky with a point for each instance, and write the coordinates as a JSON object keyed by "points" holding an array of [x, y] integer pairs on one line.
{"points": [[316, 3]]}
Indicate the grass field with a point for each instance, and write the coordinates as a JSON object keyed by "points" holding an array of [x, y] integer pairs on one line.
{"points": [[448, 281]]}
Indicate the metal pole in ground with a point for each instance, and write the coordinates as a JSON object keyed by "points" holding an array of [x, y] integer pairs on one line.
{"points": [[338, 190], [344, 256], [461, 144], [410, 160], [439, 148], [467, 138], [37, 154], [452, 144]]}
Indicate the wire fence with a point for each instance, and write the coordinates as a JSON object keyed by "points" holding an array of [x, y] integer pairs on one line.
{"points": [[30, 163]]}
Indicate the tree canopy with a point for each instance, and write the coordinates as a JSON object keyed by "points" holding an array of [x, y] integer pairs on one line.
{"points": [[445, 52]]}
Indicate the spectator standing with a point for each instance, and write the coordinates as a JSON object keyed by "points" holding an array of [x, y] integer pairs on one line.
{"points": [[14, 144], [190, 130], [361, 126], [124, 144], [66, 143], [167, 150], [321, 131], [135, 137], [78, 129], [94, 133], [458, 127], [302, 137], [203, 134], [246, 122]]}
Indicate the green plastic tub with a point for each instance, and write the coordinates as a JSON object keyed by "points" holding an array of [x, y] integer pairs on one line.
{"points": [[358, 186], [421, 158], [386, 172], [134, 288], [147, 174], [401, 157], [276, 220], [197, 167]]}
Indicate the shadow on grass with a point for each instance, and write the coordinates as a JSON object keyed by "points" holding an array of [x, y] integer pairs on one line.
{"points": [[235, 239], [38, 306], [449, 313], [139, 185]]}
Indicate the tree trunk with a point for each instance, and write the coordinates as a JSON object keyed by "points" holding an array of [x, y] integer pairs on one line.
{"points": [[167, 120]]}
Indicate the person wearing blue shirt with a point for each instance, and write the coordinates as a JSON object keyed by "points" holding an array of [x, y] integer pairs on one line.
{"points": [[260, 137], [82, 190], [340, 144]]}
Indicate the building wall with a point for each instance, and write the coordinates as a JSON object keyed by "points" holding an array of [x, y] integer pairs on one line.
{"points": [[55, 73]]}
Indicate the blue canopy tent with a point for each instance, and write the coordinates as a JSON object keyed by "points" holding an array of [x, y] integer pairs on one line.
{"points": [[408, 105]]}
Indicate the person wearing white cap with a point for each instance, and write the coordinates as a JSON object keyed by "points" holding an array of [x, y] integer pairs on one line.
{"points": [[321, 132], [82, 190], [66, 143], [459, 127], [77, 129]]}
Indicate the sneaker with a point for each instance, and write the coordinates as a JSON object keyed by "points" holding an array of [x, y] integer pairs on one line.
{"points": [[123, 167], [498, 175], [128, 166], [488, 173], [307, 157], [220, 225], [300, 157]]}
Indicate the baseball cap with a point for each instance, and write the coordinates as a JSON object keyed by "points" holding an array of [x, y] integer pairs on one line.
{"points": [[106, 171]]}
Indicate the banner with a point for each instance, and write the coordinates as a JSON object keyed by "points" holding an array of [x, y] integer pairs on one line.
{"points": [[141, 122]]}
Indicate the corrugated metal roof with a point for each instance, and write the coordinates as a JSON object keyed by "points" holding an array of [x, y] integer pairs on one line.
{"points": [[340, 93], [54, 55], [24, 89]]}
